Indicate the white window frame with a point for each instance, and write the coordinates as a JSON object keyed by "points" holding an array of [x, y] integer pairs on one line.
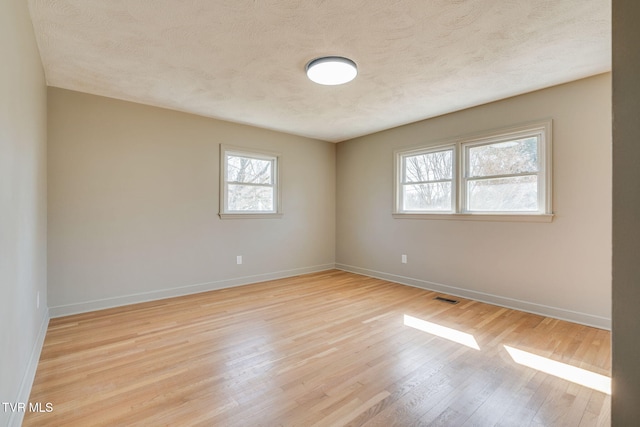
{"points": [[274, 158], [542, 130], [401, 177]]}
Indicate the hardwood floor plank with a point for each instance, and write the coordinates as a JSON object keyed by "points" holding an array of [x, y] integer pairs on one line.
{"points": [[326, 349]]}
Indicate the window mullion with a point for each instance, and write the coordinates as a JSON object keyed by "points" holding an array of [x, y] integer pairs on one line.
{"points": [[251, 184], [426, 182], [513, 175]]}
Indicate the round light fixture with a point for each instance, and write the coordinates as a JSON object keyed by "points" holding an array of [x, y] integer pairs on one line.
{"points": [[331, 70]]}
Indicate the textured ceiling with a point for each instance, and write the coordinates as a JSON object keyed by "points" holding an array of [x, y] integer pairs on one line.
{"points": [[244, 60]]}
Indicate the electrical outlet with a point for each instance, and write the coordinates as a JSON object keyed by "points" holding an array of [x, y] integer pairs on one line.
{"points": [[239, 259], [404, 259]]}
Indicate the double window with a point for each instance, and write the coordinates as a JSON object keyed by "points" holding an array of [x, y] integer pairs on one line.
{"points": [[507, 173], [249, 184]]}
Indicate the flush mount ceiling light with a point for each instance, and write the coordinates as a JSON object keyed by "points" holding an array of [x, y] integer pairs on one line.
{"points": [[331, 70]]}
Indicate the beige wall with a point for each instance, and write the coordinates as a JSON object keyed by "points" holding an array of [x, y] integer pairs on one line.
{"points": [[561, 268], [23, 221], [133, 204], [625, 410]]}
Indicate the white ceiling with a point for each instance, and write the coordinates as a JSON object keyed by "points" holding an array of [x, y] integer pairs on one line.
{"points": [[244, 60]]}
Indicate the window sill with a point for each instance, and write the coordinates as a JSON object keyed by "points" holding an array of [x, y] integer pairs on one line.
{"points": [[250, 215], [478, 217]]}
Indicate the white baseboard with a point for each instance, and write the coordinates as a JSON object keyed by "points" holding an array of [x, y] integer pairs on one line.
{"points": [[86, 306], [544, 310], [16, 417]]}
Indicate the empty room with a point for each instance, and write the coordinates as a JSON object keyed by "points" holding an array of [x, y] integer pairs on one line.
{"points": [[325, 213]]}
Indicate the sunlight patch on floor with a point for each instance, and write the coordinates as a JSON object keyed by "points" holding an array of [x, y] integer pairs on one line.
{"points": [[442, 331], [561, 370]]}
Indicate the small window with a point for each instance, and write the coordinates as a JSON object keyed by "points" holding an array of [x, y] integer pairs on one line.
{"points": [[499, 176], [249, 183], [427, 183]]}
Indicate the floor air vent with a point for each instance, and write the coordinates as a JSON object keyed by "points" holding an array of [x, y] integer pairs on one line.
{"points": [[447, 300]]}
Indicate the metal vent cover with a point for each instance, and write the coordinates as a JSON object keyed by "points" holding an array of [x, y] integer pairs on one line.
{"points": [[447, 300]]}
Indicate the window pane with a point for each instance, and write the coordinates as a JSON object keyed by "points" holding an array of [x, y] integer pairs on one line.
{"points": [[429, 167], [250, 198], [427, 197], [249, 170], [515, 194], [504, 158]]}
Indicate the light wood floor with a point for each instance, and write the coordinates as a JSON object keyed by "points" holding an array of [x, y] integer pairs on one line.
{"points": [[326, 349]]}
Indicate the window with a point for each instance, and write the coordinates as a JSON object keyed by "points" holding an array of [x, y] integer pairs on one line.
{"points": [[249, 186], [503, 176], [500, 176], [427, 180]]}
